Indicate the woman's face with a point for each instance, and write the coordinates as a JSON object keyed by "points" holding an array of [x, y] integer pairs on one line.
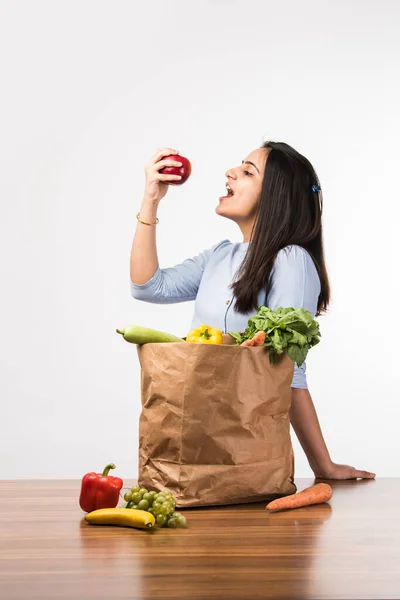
{"points": [[245, 182]]}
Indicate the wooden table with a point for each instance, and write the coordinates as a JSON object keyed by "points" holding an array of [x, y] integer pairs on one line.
{"points": [[347, 548]]}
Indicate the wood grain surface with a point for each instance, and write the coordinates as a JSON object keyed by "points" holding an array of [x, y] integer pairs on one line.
{"points": [[347, 548]]}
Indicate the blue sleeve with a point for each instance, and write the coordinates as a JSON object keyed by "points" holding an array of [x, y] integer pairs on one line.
{"points": [[175, 284], [295, 282]]}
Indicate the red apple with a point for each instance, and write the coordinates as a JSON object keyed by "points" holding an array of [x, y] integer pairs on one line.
{"points": [[184, 170]]}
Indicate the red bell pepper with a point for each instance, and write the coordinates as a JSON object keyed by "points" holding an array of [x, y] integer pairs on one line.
{"points": [[100, 490]]}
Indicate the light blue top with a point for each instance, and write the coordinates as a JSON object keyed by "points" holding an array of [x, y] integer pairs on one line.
{"points": [[206, 277]]}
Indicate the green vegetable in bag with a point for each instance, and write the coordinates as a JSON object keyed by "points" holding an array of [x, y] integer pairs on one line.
{"points": [[289, 329]]}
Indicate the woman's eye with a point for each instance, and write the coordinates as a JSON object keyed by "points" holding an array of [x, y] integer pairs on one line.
{"points": [[248, 173]]}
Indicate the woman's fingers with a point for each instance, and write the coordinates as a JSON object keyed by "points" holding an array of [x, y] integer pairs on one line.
{"points": [[167, 163], [161, 152], [364, 474], [163, 177]]}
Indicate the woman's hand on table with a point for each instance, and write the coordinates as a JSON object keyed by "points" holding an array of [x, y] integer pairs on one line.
{"points": [[336, 471]]}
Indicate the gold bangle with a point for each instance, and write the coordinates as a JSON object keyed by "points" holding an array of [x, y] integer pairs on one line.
{"points": [[144, 222]]}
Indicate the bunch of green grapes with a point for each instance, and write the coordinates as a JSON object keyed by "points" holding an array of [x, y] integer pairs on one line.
{"points": [[160, 504]]}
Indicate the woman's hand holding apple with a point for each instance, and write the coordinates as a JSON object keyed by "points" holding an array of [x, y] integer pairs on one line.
{"points": [[161, 172]]}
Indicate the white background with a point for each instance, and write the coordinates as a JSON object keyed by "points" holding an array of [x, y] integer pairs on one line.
{"points": [[89, 90]]}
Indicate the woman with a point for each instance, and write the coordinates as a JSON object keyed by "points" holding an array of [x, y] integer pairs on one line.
{"points": [[276, 201]]}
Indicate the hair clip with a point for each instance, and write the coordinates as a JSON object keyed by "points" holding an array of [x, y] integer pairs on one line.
{"points": [[315, 188]]}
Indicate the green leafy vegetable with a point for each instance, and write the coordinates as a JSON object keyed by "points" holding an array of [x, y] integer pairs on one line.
{"points": [[289, 329]]}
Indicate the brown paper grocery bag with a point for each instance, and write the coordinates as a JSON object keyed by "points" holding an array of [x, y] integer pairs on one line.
{"points": [[214, 427]]}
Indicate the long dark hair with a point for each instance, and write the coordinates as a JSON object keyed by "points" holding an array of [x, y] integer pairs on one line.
{"points": [[289, 212]]}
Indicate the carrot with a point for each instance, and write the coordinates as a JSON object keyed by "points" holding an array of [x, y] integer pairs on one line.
{"points": [[315, 494], [258, 339], [249, 342]]}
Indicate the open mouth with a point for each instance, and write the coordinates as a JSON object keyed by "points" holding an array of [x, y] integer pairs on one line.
{"points": [[230, 193]]}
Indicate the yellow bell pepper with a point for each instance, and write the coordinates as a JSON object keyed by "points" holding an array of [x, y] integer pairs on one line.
{"points": [[205, 335]]}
